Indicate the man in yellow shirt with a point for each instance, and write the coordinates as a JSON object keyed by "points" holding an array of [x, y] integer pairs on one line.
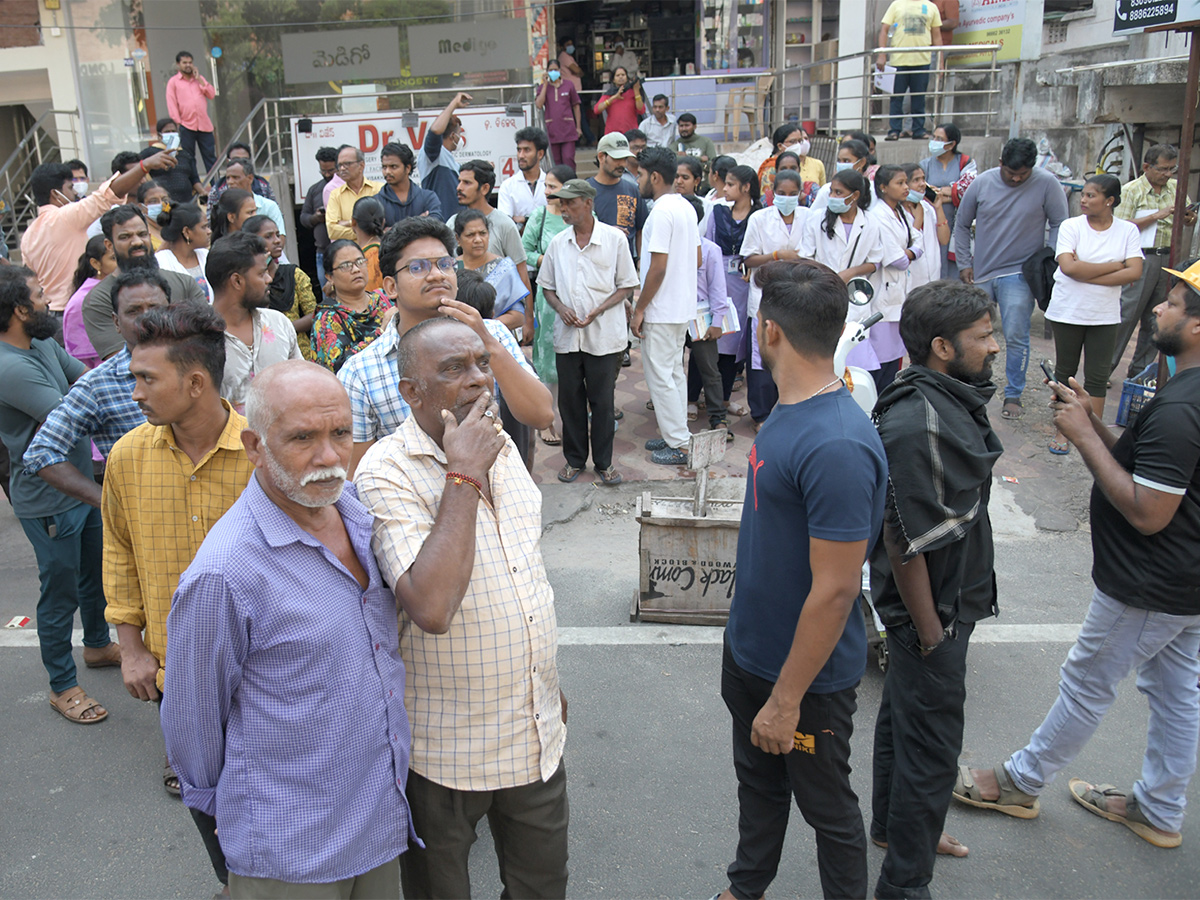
{"points": [[909, 23], [339, 212], [167, 484]]}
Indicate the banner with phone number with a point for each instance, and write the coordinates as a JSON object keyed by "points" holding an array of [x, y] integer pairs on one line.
{"points": [[489, 134]]}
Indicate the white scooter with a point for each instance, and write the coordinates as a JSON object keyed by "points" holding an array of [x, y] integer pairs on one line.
{"points": [[858, 381]]}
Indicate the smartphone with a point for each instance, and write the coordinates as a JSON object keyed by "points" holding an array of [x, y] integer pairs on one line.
{"points": [[931, 193], [1192, 207], [1049, 370]]}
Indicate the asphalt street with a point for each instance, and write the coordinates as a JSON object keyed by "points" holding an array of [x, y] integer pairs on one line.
{"points": [[650, 775]]}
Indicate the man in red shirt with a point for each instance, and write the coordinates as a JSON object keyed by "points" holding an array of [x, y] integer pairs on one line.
{"points": [[187, 103]]}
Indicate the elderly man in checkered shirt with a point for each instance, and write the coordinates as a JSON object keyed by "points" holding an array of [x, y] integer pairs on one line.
{"points": [[458, 537]]}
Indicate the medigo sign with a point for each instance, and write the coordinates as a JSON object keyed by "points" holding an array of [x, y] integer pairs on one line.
{"points": [[468, 47]]}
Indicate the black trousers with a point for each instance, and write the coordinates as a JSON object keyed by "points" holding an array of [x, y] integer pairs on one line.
{"points": [[918, 737], [587, 382], [817, 775]]}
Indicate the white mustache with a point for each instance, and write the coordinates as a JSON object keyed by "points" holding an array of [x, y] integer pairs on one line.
{"points": [[335, 473]]}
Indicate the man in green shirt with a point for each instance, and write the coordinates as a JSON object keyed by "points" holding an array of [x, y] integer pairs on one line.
{"points": [[65, 532], [692, 144]]}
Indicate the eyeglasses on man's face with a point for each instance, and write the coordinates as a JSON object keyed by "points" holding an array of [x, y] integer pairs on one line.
{"points": [[1166, 170], [360, 263], [421, 267], [347, 165]]}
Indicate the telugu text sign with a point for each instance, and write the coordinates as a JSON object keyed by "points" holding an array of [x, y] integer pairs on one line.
{"points": [[341, 55], [489, 134]]}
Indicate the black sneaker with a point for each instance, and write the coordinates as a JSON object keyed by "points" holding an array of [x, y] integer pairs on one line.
{"points": [[669, 456], [656, 444], [626, 362]]}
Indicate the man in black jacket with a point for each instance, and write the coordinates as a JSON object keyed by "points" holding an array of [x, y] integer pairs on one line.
{"points": [[932, 574], [402, 197], [312, 214]]}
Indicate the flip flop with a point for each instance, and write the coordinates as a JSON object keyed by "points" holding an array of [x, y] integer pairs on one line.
{"points": [[1012, 409], [1012, 801], [170, 779], [568, 473], [1095, 800], [552, 441], [1059, 448]]}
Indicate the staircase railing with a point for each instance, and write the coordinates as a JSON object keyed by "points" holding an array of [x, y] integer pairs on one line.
{"points": [[41, 143]]}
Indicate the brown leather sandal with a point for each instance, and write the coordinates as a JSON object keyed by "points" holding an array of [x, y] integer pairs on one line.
{"points": [[73, 703]]}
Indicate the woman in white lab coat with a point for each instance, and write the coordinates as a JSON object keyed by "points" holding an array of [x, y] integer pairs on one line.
{"points": [[902, 246], [846, 238], [774, 233], [930, 220]]}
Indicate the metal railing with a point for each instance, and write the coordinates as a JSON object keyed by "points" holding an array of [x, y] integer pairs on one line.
{"points": [[38, 145], [850, 81], [267, 128]]}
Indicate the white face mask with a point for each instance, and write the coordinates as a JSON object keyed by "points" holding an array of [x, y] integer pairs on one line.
{"points": [[843, 166], [839, 205], [170, 140], [937, 148], [81, 188], [915, 196], [786, 205], [800, 148], [153, 211]]}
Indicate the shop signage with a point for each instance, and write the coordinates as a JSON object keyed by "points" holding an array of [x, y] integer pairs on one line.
{"points": [[341, 54], [478, 45], [989, 22], [489, 133], [1131, 16]]}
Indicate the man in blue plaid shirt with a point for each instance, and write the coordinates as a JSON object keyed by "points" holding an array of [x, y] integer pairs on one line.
{"points": [[371, 378], [100, 404]]}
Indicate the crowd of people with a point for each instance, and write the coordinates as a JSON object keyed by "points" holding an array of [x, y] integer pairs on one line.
{"points": [[202, 433]]}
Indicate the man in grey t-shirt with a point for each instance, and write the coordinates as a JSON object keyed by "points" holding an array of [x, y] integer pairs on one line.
{"points": [[1010, 207], [65, 532]]}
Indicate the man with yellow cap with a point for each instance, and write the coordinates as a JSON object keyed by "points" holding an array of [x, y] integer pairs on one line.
{"points": [[1145, 609]]}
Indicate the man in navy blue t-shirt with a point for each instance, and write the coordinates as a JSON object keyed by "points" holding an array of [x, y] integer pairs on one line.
{"points": [[794, 654]]}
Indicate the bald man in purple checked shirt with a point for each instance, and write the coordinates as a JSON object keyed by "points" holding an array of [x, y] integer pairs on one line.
{"points": [[283, 708]]}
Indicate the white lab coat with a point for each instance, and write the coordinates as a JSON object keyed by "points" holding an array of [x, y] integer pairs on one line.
{"points": [[929, 267], [766, 232], [897, 236]]}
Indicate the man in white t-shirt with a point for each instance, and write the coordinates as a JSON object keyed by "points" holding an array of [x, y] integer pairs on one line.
{"points": [[669, 263]]}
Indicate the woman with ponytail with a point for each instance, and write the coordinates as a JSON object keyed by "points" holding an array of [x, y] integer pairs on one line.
{"points": [[185, 235]]}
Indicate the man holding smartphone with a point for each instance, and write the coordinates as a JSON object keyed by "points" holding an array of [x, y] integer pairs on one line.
{"points": [[55, 239]]}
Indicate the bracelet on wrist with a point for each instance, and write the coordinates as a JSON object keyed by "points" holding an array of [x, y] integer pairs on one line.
{"points": [[459, 478], [142, 166]]}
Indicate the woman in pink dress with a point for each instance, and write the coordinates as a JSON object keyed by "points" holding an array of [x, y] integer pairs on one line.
{"points": [[96, 263]]}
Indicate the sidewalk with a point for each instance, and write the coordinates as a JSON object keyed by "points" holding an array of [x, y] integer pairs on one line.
{"points": [[1052, 489]]}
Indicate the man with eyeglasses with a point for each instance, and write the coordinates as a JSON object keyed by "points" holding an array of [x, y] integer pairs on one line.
{"points": [[416, 258], [1149, 203], [351, 165]]}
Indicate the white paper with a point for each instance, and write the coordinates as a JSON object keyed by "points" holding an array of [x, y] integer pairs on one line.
{"points": [[1150, 231], [885, 81]]}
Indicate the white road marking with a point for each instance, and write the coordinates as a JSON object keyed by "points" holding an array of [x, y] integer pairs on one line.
{"points": [[678, 635]]}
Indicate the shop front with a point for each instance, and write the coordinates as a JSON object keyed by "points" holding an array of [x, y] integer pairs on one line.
{"points": [[709, 56]]}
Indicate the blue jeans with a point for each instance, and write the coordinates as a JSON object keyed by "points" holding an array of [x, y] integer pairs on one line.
{"points": [[1012, 295], [69, 567], [916, 80], [1114, 639]]}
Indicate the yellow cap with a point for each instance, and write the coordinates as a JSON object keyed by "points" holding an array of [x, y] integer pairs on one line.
{"points": [[1191, 276]]}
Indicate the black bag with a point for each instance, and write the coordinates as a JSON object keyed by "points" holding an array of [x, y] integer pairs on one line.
{"points": [[1039, 272]]}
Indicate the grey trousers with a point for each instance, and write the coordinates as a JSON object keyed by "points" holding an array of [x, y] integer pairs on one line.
{"points": [[1138, 299], [529, 830], [380, 883]]}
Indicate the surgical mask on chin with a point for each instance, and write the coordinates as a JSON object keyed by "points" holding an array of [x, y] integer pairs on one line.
{"points": [[838, 205], [915, 196], [785, 205], [844, 166], [554, 74], [937, 148], [81, 188], [170, 140], [153, 211], [800, 148]]}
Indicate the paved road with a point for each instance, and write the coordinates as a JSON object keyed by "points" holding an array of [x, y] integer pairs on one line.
{"points": [[651, 783]]}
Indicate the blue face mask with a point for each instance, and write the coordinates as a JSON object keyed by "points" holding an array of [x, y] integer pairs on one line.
{"points": [[843, 166], [785, 205], [153, 210], [839, 205], [570, 48], [937, 148], [915, 196], [554, 74]]}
